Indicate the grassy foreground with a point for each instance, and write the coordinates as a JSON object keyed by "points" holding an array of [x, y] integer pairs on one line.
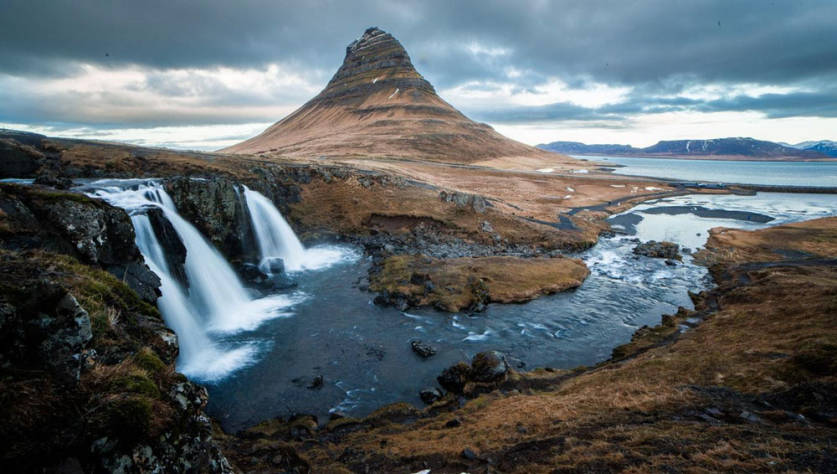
{"points": [[745, 382]]}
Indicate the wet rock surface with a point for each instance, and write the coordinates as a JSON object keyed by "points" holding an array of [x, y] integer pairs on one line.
{"points": [[173, 248], [216, 207], [76, 225], [654, 249], [422, 350]]}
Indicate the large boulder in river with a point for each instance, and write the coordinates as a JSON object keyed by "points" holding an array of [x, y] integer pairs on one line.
{"points": [[654, 249]]}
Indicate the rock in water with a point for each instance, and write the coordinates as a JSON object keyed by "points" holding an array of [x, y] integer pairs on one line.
{"points": [[430, 395], [654, 249], [423, 350], [378, 105], [274, 265]]}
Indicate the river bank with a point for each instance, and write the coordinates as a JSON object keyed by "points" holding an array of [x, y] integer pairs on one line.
{"points": [[740, 382]]}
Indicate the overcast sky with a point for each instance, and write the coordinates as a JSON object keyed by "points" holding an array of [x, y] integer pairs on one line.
{"points": [[208, 74]]}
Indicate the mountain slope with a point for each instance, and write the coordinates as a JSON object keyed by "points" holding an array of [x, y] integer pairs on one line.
{"points": [[378, 105], [718, 148]]}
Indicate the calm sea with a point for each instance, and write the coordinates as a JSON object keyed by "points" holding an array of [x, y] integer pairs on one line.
{"points": [[787, 173]]}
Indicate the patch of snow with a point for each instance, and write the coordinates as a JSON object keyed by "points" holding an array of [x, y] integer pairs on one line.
{"points": [[568, 196], [375, 80], [617, 185], [652, 188], [581, 171], [570, 189], [546, 170], [393, 94]]}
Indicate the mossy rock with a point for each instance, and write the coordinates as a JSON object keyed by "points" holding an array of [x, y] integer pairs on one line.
{"points": [[148, 360], [136, 382], [128, 419]]}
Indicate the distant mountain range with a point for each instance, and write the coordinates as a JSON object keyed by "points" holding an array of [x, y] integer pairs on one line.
{"points": [[826, 147], [717, 148]]}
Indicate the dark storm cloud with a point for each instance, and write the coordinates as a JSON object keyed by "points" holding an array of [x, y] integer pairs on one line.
{"points": [[610, 41], [657, 47]]}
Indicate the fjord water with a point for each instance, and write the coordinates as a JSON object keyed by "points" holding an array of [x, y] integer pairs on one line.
{"points": [[777, 173]]}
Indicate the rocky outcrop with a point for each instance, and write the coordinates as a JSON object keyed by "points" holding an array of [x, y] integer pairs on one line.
{"points": [[217, 209], [486, 371], [18, 160], [174, 250], [465, 200], [71, 223], [654, 249], [87, 381]]}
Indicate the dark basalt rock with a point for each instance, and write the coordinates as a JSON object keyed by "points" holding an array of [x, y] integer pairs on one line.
{"points": [[18, 160], [275, 265], [216, 207], [454, 378], [90, 374], [54, 180], [489, 366], [486, 371], [277, 279], [174, 250], [654, 249], [73, 224], [422, 350], [430, 395]]}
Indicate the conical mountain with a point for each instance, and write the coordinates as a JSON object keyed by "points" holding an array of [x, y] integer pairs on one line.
{"points": [[378, 105]]}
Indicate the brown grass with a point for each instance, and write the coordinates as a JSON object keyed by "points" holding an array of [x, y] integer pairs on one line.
{"points": [[460, 283]]}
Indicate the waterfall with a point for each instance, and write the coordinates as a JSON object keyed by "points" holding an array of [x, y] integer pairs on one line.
{"points": [[276, 239], [274, 236], [215, 302]]}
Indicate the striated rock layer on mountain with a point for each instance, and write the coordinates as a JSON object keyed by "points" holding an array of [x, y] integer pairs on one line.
{"points": [[378, 105]]}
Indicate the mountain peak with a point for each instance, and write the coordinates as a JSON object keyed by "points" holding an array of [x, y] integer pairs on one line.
{"points": [[378, 105], [374, 61]]}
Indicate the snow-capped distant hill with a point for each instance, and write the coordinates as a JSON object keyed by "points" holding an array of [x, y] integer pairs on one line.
{"points": [[716, 148], [826, 147]]}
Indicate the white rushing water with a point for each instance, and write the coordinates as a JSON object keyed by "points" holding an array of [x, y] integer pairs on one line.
{"points": [[276, 239], [215, 302]]}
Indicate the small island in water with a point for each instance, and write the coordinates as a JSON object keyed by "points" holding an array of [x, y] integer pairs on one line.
{"points": [[378, 283]]}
